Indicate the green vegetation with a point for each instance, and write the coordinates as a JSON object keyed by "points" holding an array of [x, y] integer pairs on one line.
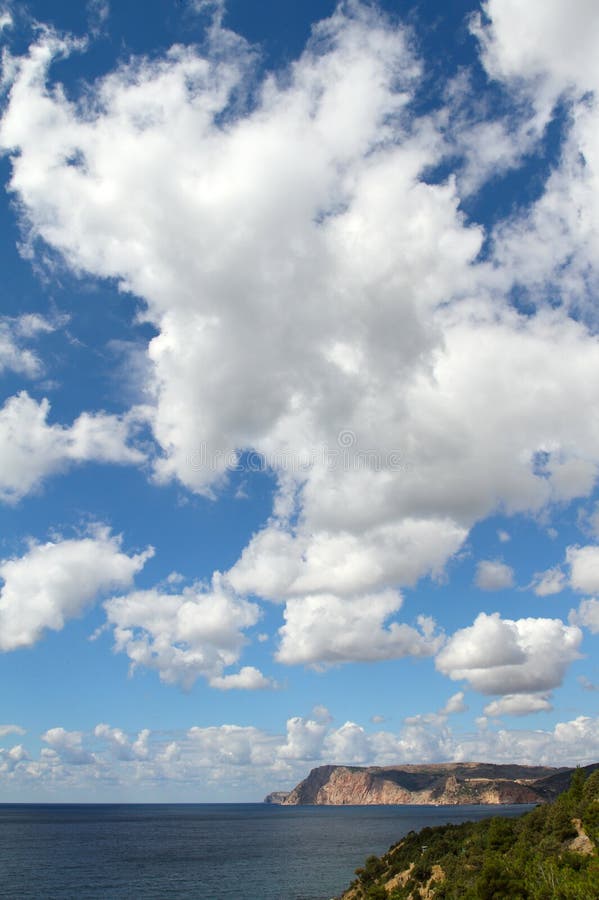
{"points": [[549, 853]]}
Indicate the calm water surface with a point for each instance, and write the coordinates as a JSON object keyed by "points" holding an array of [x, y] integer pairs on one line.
{"points": [[203, 851]]}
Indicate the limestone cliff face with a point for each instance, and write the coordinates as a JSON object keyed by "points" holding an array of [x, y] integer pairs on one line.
{"points": [[441, 784]]}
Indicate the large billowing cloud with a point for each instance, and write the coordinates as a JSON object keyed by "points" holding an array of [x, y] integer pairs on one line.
{"points": [[324, 629], [319, 302], [56, 581]]}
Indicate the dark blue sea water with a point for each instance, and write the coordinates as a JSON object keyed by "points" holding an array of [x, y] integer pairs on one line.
{"points": [[203, 851]]}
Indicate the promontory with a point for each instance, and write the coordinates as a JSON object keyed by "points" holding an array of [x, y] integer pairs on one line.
{"points": [[432, 784]]}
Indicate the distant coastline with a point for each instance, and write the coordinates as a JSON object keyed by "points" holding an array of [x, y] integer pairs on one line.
{"points": [[440, 784]]}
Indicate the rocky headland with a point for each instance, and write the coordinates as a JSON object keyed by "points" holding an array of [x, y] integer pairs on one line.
{"points": [[436, 784]]}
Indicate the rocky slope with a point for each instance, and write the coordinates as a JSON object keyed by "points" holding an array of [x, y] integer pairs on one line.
{"points": [[551, 852], [439, 784]]}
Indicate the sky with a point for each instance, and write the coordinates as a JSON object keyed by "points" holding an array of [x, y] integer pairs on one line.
{"points": [[299, 361]]}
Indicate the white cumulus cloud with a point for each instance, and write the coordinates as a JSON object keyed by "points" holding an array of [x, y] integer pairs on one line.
{"points": [[122, 746], [249, 678], [584, 568], [382, 372], [197, 632], [503, 656], [518, 705], [554, 40], [56, 581], [68, 746], [322, 629], [586, 615], [455, 704], [552, 581], [31, 449]]}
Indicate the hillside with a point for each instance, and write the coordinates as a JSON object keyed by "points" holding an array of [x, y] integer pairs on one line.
{"points": [[550, 853], [434, 784]]}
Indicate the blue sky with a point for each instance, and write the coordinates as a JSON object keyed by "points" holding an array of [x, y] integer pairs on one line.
{"points": [[298, 354]]}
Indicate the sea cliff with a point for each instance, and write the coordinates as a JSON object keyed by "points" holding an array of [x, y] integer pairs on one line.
{"points": [[436, 784]]}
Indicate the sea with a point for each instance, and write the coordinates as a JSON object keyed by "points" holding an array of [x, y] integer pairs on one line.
{"points": [[246, 851]]}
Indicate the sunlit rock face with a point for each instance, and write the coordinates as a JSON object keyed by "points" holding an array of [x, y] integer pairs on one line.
{"points": [[438, 785]]}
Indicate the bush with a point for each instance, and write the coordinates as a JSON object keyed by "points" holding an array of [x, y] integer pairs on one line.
{"points": [[499, 859]]}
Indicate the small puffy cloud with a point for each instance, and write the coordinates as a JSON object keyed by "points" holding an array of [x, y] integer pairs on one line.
{"points": [[348, 745], [305, 738], [6, 20], [11, 760], [518, 705], [583, 576], [323, 629], [586, 615], [455, 704], [229, 746], [552, 581], [31, 449], [56, 581], [584, 568], [499, 656], [504, 536], [197, 632], [123, 748], [10, 729], [493, 575], [247, 679], [68, 746]]}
